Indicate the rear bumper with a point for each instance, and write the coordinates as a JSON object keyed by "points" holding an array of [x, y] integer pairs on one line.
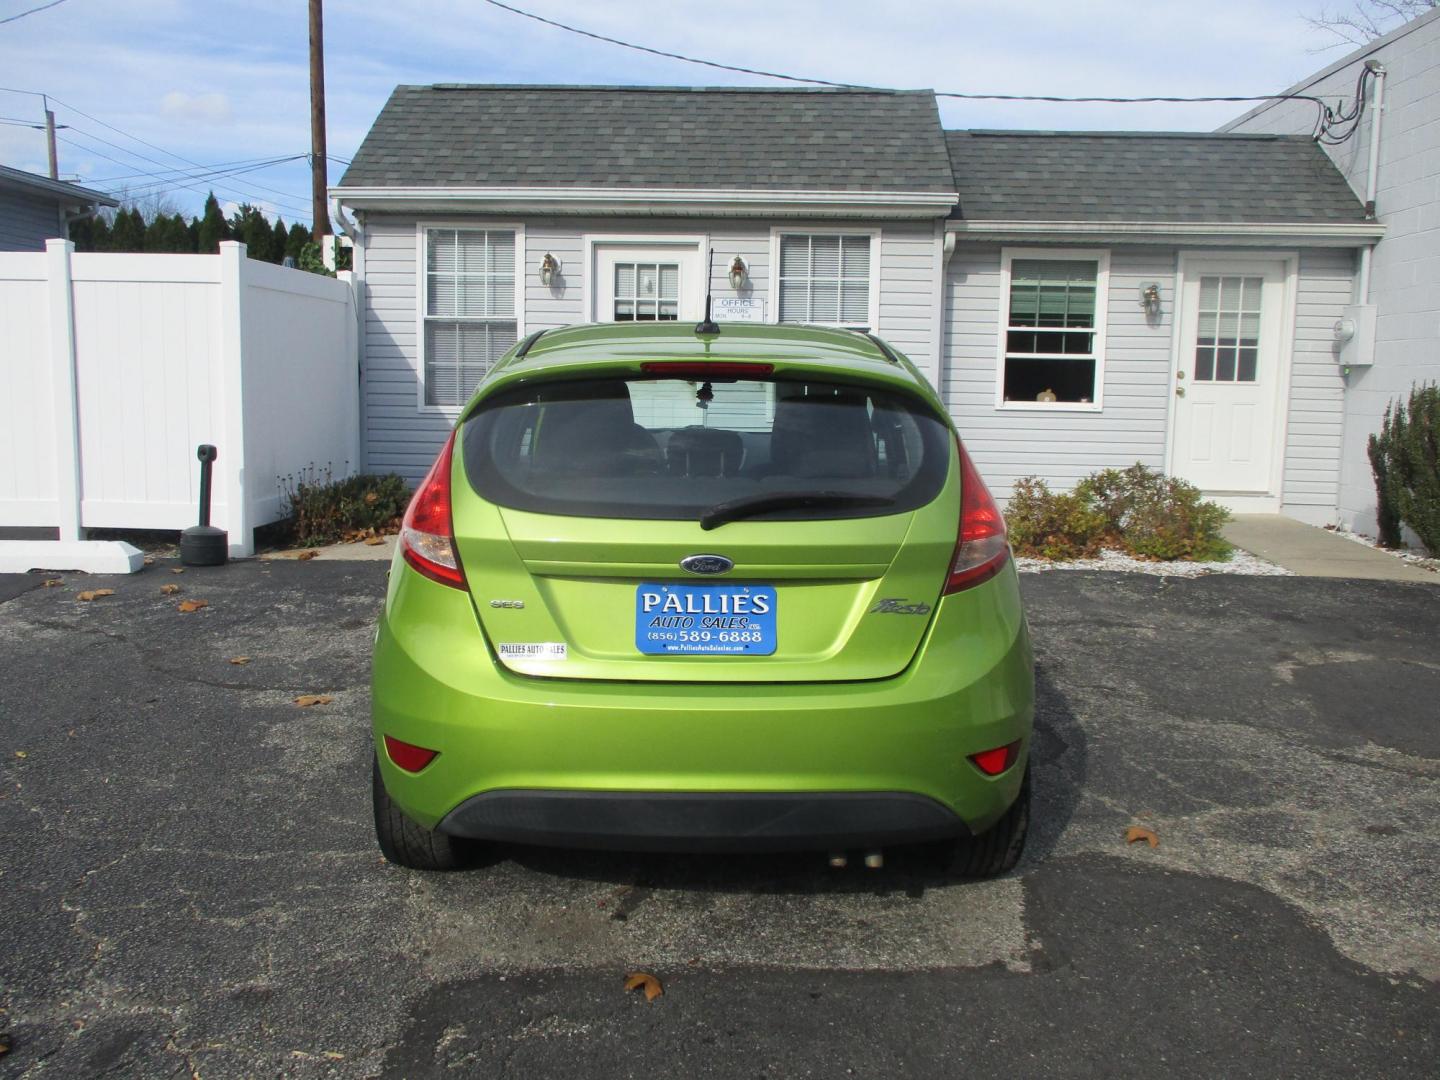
{"points": [[694, 765], [695, 821]]}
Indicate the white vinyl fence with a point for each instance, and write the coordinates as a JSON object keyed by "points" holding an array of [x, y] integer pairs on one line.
{"points": [[115, 367]]}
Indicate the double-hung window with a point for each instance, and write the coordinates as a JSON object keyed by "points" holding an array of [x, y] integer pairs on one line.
{"points": [[825, 278], [1054, 324], [470, 319]]}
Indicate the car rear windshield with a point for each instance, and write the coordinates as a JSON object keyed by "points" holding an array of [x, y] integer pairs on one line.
{"points": [[671, 449]]}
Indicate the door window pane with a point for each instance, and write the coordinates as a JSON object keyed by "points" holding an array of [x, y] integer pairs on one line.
{"points": [[647, 292], [1227, 329]]}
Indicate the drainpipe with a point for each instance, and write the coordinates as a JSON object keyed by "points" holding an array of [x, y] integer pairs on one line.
{"points": [[1372, 173]]}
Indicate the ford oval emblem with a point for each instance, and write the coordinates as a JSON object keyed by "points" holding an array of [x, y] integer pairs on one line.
{"points": [[707, 564]]}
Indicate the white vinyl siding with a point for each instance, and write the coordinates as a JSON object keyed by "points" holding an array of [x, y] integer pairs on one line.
{"points": [[1060, 445], [470, 317], [825, 278], [402, 438]]}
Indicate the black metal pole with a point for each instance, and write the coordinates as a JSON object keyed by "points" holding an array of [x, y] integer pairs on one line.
{"points": [[207, 455]]}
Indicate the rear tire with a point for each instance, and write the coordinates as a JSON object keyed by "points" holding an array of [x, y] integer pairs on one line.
{"points": [[997, 850], [406, 843]]}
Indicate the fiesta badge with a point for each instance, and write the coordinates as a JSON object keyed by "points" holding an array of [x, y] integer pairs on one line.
{"points": [[706, 564]]}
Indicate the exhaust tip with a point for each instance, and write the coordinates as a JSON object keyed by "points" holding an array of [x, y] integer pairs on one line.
{"points": [[839, 860], [874, 860]]}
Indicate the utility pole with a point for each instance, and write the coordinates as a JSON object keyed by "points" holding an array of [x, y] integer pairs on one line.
{"points": [[320, 208], [50, 139]]}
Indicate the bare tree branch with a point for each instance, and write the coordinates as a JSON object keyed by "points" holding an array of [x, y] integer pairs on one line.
{"points": [[1366, 20]]}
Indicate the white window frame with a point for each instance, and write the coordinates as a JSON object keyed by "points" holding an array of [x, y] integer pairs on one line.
{"points": [[777, 231], [1101, 258], [422, 298]]}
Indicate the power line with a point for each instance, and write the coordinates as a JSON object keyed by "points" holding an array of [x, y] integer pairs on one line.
{"points": [[1323, 110], [200, 185], [32, 11], [218, 166]]}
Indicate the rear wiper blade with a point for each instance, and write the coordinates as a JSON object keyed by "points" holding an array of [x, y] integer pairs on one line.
{"points": [[753, 505]]}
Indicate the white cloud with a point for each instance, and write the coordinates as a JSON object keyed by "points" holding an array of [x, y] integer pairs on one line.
{"points": [[212, 108]]}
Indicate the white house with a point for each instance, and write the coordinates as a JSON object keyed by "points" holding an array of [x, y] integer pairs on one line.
{"points": [[1394, 160], [1081, 300]]}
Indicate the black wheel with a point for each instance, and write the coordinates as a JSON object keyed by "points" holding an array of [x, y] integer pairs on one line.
{"points": [[997, 850], [406, 843]]}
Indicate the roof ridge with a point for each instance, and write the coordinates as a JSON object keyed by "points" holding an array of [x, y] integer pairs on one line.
{"points": [[647, 88]]}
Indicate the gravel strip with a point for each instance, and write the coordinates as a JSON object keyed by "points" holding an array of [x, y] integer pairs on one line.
{"points": [[1241, 562]]}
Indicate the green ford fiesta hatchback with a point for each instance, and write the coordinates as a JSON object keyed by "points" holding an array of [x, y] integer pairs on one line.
{"points": [[680, 591]]}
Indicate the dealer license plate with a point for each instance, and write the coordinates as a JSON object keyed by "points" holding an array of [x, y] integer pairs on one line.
{"points": [[674, 617]]}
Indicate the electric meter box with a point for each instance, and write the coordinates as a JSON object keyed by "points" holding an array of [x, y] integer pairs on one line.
{"points": [[1355, 336]]}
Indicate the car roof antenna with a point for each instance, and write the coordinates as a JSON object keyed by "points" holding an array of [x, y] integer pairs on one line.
{"points": [[708, 325]]}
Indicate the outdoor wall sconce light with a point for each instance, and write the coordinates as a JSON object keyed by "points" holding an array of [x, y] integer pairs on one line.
{"points": [[739, 272], [549, 267], [1150, 298]]}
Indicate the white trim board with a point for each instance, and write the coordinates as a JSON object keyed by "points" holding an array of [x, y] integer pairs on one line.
{"points": [[1344, 234], [668, 201]]}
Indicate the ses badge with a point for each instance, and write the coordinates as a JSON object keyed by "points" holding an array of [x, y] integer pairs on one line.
{"points": [[674, 618]]}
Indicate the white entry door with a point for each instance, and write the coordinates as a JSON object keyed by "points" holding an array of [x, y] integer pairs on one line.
{"points": [[647, 282], [1228, 377]]}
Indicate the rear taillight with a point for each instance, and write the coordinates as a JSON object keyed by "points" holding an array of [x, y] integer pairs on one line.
{"points": [[427, 537], [981, 548], [706, 369]]}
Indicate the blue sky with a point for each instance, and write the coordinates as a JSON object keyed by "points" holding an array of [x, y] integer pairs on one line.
{"points": [[216, 81]]}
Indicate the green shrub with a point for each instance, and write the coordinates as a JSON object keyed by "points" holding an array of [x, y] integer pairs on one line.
{"points": [[328, 511], [1405, 457], [1052, 525], [1138, 510]]}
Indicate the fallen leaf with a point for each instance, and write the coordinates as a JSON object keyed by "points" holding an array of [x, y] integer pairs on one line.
{"points": [[177, 569], [239, 659], [1139, 832], [637, 979], [311, 554], [306, 700], [51, 582], [21, 754], [374, 540], [169, 590], [371, 498], [94, 594], [149, 560], [334, 1055], [4, 1043], [188, 606]]}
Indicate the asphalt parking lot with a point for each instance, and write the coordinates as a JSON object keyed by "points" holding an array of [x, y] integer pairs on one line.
{"points": [[189, 884]]}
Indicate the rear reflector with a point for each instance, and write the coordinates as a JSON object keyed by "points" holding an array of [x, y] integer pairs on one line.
{"points": [[981, 549], [994, 762], [704, 369], [407, 756], [427, 539]]}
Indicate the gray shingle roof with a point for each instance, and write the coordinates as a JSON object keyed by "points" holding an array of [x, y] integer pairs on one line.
{"points": [[635, 137], [1124, 176]]}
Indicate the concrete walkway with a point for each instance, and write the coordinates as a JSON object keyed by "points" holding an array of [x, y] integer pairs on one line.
{"points": [[1312, 552]]}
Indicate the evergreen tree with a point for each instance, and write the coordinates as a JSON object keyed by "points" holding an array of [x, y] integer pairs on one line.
{"points": [[212, 228], [295, 242], [128, 232], [99, 233], [82, 234]]}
